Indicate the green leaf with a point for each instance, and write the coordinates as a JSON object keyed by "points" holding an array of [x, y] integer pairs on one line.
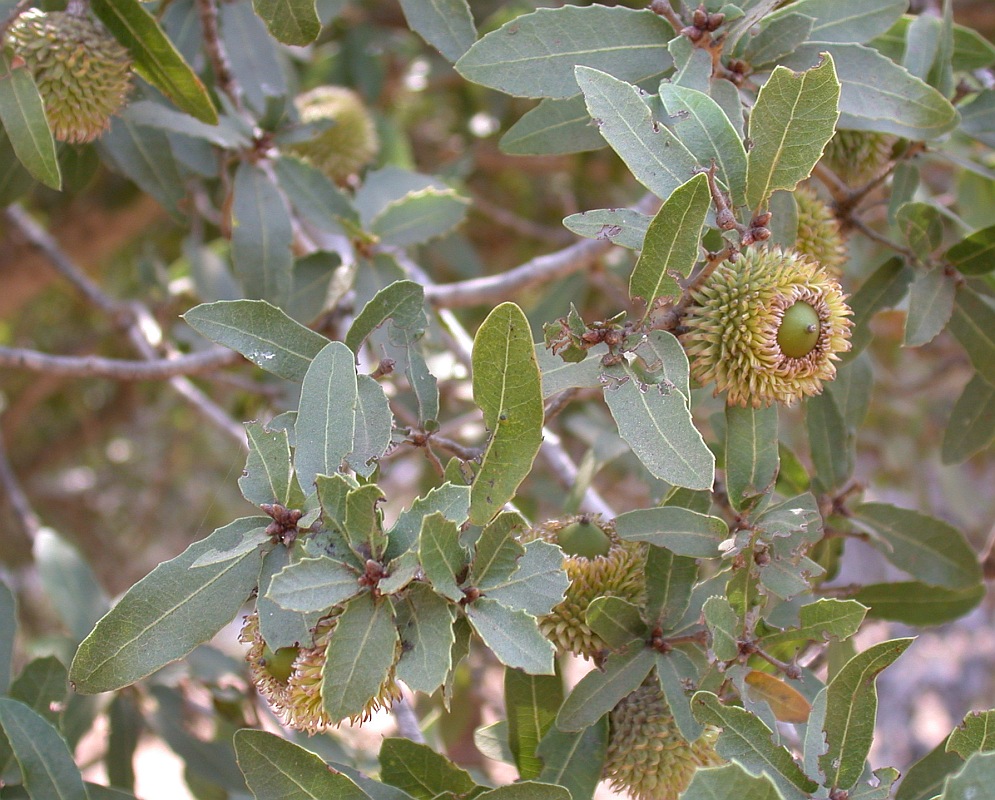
{"points": [[574, 760], [793, 119], [421, 772], [69, 584], [976, 734], [364, 522], [262, 236], [655, 421], [724, 624], [274, 767], [507, 387], [747, 740], [669, 581], [278, 626], [730, 781], [253, 53], [374, 423], [670, 247], [531, 703], [752, 459], [314, 196], [621, 226], [497, 551], [149, 113], [42, 686], [916, 603], [921, 225], [402, 303], [144, 156], [554, 127], [852, 391], [537, 585], [778, 38], [830, 440], [47, 766], [16, 181], [8, 630], [656, 157], [313, 584], [534, 55], [929, 549], [846, 22], [972, 422], [425, 625], [676, 671], [23, 116], [441, 555], [878, 95], [931, 302], [683, 532], [975, 254], [452, 501], [419, 216], [883, 289], [526, 790], [852, 707], [359, 656], [615, 620], [924, 780], [447, 25], [327, 415], [155, 57], [824, 620], [492, 741], [268, 476], [512, 635], [977, 116], [883, 783], [168, 613], [600, 691], [974, 779], [261, 332], [973, 325], [704, 129], [126, 723], [290, 21]]}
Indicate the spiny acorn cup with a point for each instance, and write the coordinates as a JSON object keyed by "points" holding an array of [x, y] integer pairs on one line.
{"points": [[647, 756], [598, 563], [819, 235], [349, 143], [290, 678], [83, 73], [767, 328], [858, 156]]}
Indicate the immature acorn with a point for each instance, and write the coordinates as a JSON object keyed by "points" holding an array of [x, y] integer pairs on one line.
{"points": [[597, 563], [767, 328], [858, 156], [290, 678], [819, 235], [349, 143], [83, 73], [647, 756]]}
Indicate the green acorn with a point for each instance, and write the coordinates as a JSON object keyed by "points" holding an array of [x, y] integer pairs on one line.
{"points": [[858, 156], [290, 678], [647, 756], [819, 235], [598, 563], [767, 328], [349, 144], [83, 73]]}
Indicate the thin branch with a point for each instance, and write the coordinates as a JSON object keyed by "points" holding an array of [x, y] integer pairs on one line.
{"points": [[215, 47], [520, 225], [25, 514], [880, 238], [115, 368]]}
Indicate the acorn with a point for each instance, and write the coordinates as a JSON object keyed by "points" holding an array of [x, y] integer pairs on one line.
{"points": [[819, 236], [290, 678], [82, 72], [349, 143], [767, 328], [858, 156], [598, 563], [647, 756]]}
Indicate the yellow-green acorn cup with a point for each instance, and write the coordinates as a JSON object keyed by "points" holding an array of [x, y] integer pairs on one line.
{"points": [[83, 73], [290, 678], [767, 328], [819, 235], [858, 156], [349, 143], [598, 563], [647, 756]]}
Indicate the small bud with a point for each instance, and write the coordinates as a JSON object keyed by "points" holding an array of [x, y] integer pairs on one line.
{"points": [[715, 22], [692, 33], [700, 17]]}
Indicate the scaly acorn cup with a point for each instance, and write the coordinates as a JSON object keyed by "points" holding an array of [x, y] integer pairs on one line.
{"points": [[857, 156], [83, 73], [598, 563], [290, 678], [819, 235], [647, 756], [349, 143], [767, 328]]}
